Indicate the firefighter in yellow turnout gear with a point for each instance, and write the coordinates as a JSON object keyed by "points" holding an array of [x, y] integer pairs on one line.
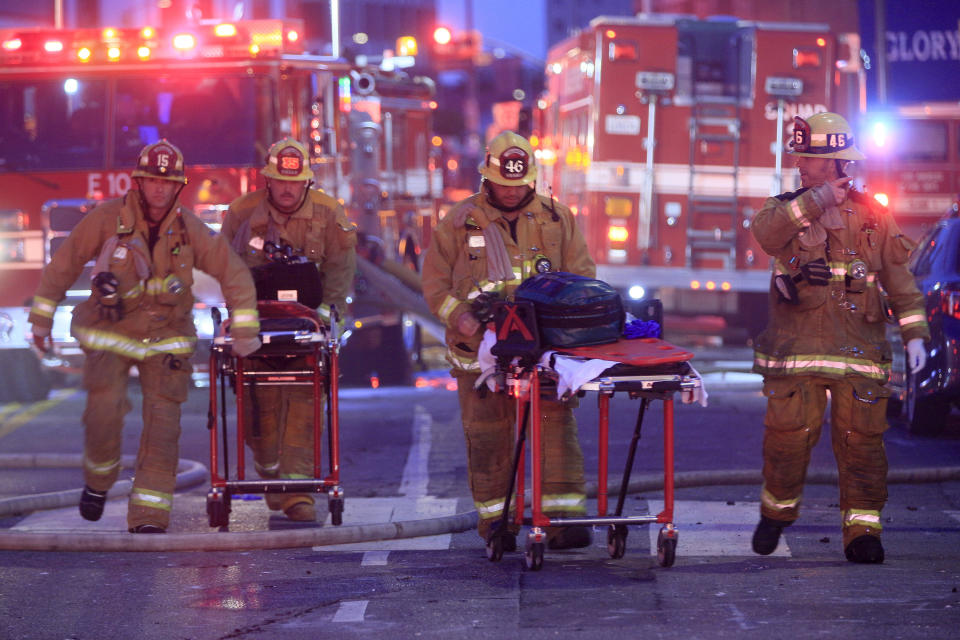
{"points": [[140, 313], [289, 214], [491, 242], [833, 250]]}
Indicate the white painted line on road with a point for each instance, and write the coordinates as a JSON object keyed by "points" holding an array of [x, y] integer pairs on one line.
{"points": [[416, 473], [374, 558], [351, 611], [713, 528]]}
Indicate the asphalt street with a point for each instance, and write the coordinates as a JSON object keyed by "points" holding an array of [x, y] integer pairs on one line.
{"points": [[403, 462]]}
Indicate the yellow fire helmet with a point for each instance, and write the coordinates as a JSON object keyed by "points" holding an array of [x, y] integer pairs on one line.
{"points": [[287, 160], [509, 161], [160, 160], [824, 135]]}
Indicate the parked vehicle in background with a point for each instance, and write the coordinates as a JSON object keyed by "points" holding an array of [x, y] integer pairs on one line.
{"points": [[665, 134], [924, 400], [77, 105], [913, 162]]}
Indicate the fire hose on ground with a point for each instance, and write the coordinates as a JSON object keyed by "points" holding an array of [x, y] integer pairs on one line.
{"points": [[191, 474]]}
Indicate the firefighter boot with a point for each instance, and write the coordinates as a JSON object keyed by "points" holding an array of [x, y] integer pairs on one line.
{"points": [[865, 549], [508, 537], [301, 512], [91, 503], [147, 528], [767, 535], [575, 537]]}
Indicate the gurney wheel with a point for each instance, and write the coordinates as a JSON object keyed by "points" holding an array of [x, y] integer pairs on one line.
{"points": [[336, 511], [533, 557], [667, 546], [218, 508], [617, 540], [495, 548]]}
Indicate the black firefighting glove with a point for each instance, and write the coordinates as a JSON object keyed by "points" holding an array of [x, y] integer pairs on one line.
{"points": [[482, 307], [816, 272], [106, 288]]}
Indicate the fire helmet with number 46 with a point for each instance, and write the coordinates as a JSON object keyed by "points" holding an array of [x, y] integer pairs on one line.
{"points": [[287, 160], [824, 135], [509, 161], [160, 160]]}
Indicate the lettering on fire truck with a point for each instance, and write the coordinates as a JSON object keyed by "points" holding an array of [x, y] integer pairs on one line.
{"points": [[107, 185]]}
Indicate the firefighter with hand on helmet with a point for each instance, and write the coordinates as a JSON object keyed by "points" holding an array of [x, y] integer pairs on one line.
{"points": [[488, 244], [145, 247], [290, 218], [836, 251]]}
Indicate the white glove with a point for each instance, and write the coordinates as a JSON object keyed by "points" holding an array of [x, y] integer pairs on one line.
{"points": [[916, 355], [243, 347]]}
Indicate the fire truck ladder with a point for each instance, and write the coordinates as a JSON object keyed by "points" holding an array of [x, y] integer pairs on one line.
{"points": [[713, 188]]}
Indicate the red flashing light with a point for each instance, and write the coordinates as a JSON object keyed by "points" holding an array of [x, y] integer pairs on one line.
{"points": [[442, 35], [12, 44], [53, 46]]}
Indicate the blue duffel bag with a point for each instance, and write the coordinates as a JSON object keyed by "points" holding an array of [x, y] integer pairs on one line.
{"points": [[572, 310]]}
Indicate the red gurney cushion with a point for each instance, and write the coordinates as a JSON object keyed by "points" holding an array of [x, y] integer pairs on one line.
{"points": [[640, 352]]}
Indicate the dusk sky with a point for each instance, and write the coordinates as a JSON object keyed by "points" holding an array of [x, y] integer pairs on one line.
{"points": [[516, 23]]}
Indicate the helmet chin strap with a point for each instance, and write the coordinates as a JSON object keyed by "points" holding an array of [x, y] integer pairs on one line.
{"points": [[492, 199], [273, 203]]}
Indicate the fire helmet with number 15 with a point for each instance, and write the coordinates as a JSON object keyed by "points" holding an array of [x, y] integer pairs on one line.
{"points": [[160, 160], [509, 161], [824, 135], [287, 160]]}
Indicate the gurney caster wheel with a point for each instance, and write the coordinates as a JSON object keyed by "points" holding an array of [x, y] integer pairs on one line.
{"points": [[495, 548], [336, 511], [218, 508], [617, 540], [667, 546], [533, 557]]}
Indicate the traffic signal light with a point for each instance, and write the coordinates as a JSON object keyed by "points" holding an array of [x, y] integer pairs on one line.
{"points": [[456, 47]]}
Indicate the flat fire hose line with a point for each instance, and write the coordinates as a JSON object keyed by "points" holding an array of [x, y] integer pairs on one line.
{"points": [[247, 540]]}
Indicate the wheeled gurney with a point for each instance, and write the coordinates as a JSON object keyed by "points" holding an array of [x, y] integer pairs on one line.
{"points": [[647, 369], [301, 351]]}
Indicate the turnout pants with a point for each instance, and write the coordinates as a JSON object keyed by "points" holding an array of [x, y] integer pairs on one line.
{"points": [[795, 412], [489, 424], [164, 383], [279, 431]]}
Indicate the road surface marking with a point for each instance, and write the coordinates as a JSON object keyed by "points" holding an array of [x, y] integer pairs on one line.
{"points": [[713, 528], [32, 410], [351, 611], [374, 558], [416, 472]]}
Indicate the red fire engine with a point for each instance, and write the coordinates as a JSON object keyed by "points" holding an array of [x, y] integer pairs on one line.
{"points": [[913, 162], [666, 133], [76, 107]]}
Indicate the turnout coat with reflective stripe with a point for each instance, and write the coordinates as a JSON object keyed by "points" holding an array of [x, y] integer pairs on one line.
{"points": [[838, 329], [319, 229], [156, 311], [455, 266]]}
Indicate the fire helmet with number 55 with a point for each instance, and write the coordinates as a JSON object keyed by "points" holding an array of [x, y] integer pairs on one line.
{"points": [[287, 160], [509, 161], [824, 135], [160, 160]]}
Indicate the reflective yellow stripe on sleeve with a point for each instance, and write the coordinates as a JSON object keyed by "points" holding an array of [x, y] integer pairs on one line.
{"points": [[43, 307]]}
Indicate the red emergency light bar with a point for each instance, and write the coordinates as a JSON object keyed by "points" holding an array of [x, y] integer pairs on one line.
{"points": [[206, 40]]}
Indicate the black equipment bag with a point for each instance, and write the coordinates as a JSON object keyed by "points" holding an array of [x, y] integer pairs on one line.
{"points": [[517, 337], [572, 310], [289, 282]]}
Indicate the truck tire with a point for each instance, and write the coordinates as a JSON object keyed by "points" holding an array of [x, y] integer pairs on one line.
{"points": [[22, 378], [376, 352]]}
